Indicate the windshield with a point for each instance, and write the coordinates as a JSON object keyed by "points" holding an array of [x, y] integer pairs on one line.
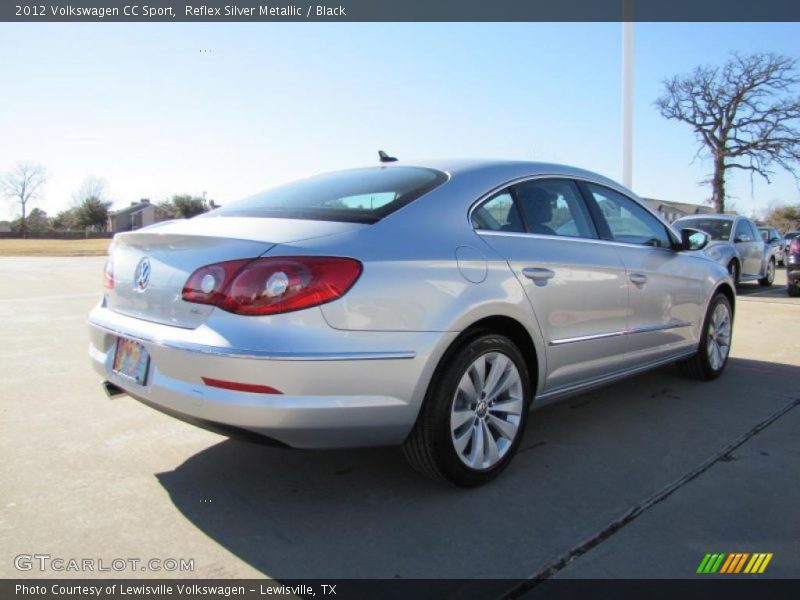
{"points": [[717, 229], [357, 195]]}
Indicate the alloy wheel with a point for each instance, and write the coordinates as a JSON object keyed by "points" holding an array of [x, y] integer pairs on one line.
{"points": [[486, 411], [719, 336]]}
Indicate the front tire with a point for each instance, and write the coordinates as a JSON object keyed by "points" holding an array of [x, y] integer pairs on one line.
{"points": [[733, 269], [474, 414], [769, 276], [715, 343]]}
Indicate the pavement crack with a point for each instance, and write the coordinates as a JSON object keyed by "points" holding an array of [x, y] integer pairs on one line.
{"points": [[656, 498]]}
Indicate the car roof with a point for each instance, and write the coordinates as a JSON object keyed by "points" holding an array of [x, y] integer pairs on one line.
{"points": [[462, 168]]}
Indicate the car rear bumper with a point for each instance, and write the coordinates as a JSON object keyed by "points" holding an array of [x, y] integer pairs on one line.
{"points": [[329, 397]]}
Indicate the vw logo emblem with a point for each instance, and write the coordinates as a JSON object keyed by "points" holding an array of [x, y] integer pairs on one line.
{"points": [[141, 277]]}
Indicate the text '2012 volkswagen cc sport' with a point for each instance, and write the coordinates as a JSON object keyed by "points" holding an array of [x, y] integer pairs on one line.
{"points": [[428, 305]]}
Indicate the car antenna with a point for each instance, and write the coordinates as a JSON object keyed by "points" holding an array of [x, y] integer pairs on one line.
{"points": [[385, 157]]}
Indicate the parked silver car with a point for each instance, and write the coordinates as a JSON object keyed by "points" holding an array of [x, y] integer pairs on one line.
{"points": [[736, 244], [772, 237], [423, 305]]}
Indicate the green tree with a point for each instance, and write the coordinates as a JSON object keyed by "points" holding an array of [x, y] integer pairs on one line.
{"points": [[744, 114], [784, 218], [36, 222], [186, 206], [90, 204], [66, 220], [92, 214]]}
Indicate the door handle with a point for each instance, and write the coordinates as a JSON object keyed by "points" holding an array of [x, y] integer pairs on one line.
{"points": [[538, 274], [638, 278]]}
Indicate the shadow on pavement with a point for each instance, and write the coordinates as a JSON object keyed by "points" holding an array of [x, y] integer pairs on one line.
{"points": [[583, 463]]}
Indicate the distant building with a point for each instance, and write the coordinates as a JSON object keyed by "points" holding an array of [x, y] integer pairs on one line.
{"points": [[675, 210], [5, 226], [137, 215]]}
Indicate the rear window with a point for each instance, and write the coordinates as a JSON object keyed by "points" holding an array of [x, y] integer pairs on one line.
{"points": [[357, 195]]}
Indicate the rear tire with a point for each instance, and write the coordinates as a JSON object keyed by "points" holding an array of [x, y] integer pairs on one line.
{"points": [[474, 414], [793, 289], [715, 343], [769, 276]]}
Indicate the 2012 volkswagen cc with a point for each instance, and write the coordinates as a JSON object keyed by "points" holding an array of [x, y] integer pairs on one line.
{"points": [[428, 305]]}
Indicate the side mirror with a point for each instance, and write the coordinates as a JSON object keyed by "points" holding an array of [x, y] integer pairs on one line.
{"points": [[693, 239], [773, 240]]}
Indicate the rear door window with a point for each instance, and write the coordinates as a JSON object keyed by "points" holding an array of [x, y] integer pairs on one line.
{"points": [[554, 207]]}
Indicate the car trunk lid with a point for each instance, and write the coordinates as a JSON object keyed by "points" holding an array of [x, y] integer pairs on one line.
{"points": [[151, 266]]}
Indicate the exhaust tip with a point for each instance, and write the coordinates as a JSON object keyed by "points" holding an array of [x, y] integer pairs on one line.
{"points": [[112, 390]]}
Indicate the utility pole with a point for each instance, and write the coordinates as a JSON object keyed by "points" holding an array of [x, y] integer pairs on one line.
{"points": [[627, 93]]}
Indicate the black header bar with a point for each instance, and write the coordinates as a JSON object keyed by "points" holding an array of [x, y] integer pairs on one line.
{"points": [[399, 10]]}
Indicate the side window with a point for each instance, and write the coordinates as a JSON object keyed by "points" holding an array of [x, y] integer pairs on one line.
{"points": [[627, 221], [554, 207], [754, 231], [742, 229], [498, 213]]}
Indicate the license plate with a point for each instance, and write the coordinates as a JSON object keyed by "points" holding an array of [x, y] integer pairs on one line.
{"points": [[131, 361]]}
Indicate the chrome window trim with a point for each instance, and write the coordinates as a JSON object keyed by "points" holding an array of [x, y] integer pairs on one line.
{"points": [[610, 185], [544, 236], [254, 354], [602, 336]]}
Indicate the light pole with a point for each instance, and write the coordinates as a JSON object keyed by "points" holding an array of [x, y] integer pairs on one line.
{"points": [[627, 93]]}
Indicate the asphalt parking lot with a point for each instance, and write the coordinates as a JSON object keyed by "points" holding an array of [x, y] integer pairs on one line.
{"points": [[639, 479]]}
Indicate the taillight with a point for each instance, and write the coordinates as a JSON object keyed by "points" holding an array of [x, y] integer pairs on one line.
{"points": [[794, 246], [268, 286], [108, 274]]}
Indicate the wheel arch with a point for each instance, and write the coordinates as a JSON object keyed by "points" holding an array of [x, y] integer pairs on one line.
{"points": [[726, 289], [504, 325]]}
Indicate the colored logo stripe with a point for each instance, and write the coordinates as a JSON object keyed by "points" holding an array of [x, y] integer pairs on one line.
{"points": [[710, 563], [758, 563], [734, 563]]}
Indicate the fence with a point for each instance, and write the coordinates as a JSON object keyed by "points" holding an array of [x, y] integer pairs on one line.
{"points": [[57, 235]]}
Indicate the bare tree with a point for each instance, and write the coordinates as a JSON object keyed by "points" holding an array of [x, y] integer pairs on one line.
{"points": [[22, 185], [745, 115], [91, 187]]}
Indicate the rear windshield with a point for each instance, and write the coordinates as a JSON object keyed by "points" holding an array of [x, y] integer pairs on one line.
{"points": [[357, 195], [717, 229]]}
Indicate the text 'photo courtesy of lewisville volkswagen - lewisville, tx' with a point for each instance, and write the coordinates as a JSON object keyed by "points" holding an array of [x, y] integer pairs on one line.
{"points": [[400, 300]]}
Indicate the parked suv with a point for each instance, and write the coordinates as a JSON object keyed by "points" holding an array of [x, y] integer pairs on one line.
{"points": [[737, 245]]}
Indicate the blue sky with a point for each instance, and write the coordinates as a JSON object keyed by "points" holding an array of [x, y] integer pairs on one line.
{"points": [[141, 106]]}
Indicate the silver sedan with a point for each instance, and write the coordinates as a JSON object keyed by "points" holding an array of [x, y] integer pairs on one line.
{"points": [[429, 305]]}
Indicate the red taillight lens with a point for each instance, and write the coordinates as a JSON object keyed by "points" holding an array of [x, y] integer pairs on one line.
{"points": [[207, 285], [268, 286], [794, 246], [108, 274]]}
